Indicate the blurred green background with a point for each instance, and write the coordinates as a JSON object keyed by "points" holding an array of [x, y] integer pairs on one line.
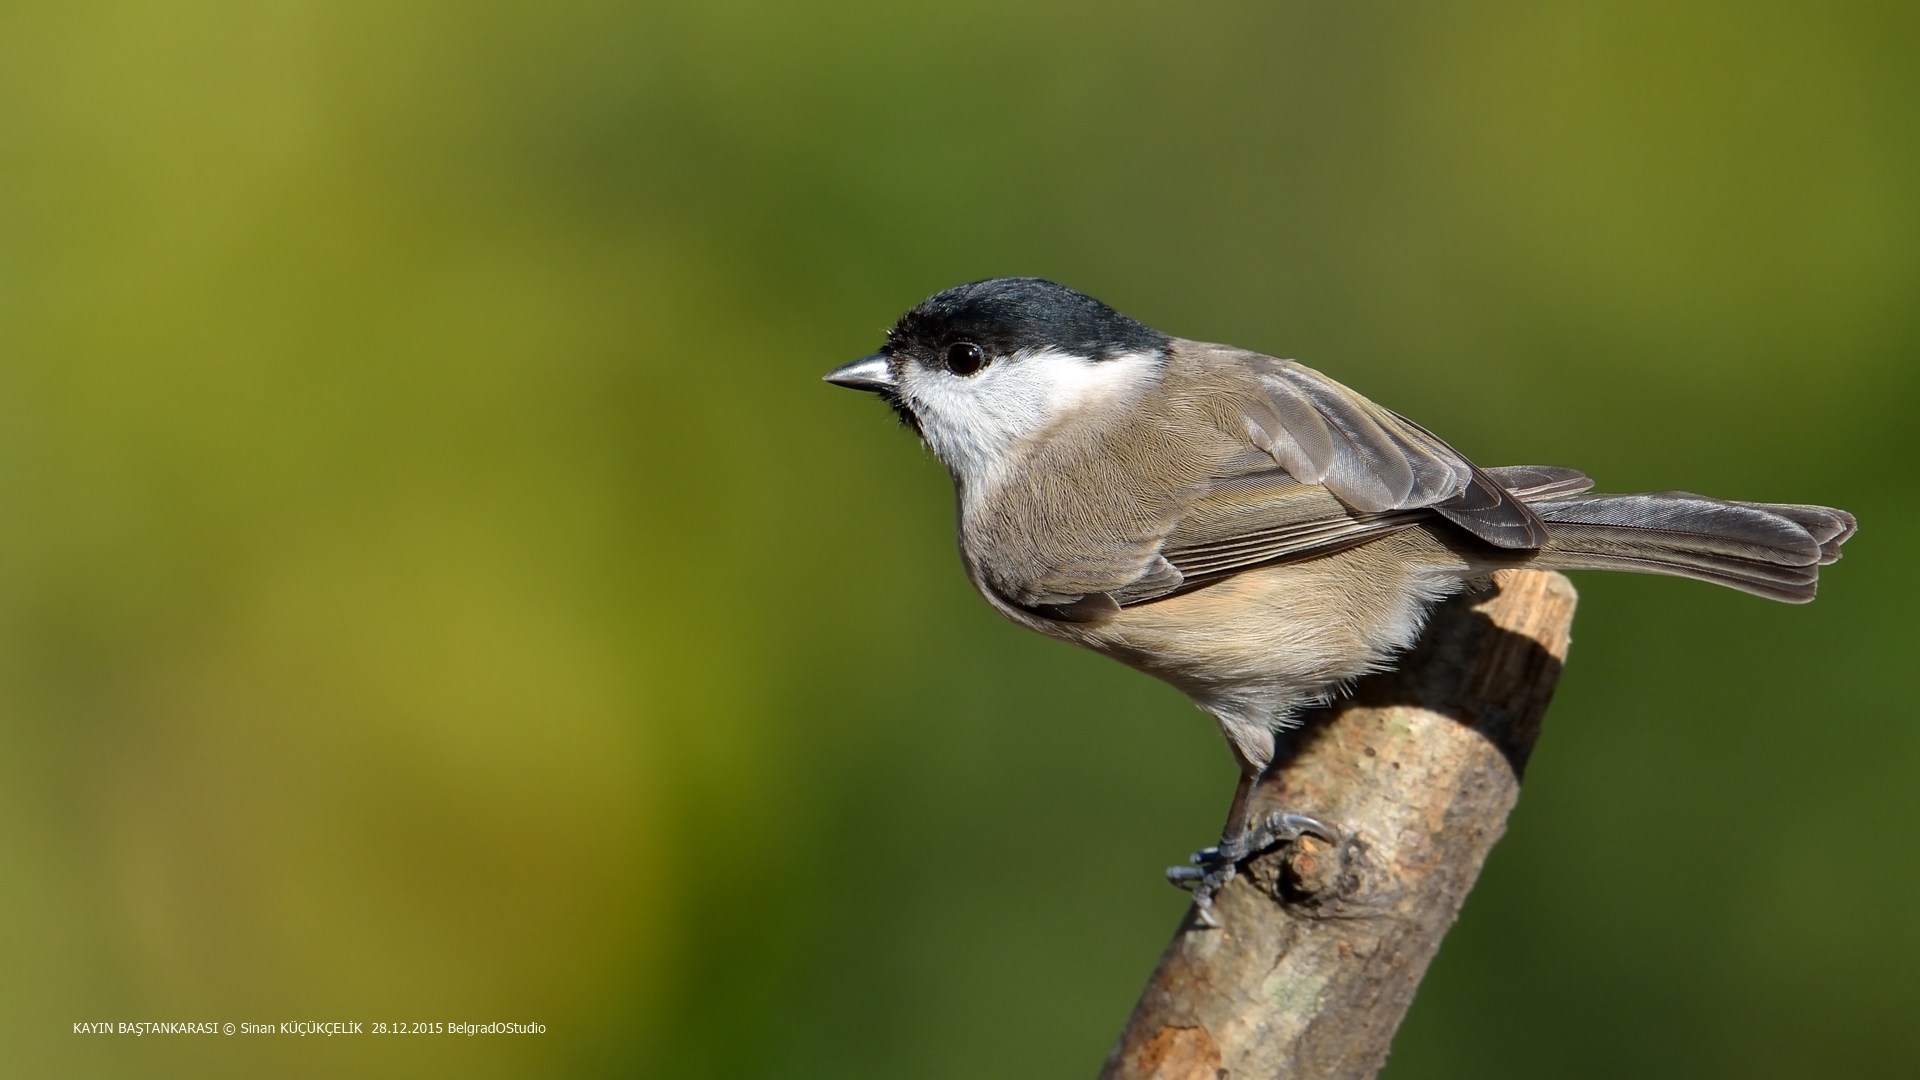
{"points": [[435, 584]]}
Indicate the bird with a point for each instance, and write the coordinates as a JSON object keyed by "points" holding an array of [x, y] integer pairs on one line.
{"points": [[1243, 527]]}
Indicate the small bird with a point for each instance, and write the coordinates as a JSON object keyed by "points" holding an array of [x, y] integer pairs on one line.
{"points": [[1245, 528]]}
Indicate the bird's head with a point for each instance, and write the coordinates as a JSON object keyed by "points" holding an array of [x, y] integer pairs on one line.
{"points": [[980, 368]]}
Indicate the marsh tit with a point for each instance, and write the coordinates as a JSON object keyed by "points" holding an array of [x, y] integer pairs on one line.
{"points": [[1243, 527]]}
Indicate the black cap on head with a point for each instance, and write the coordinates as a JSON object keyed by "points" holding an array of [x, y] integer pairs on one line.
{"points": [[1004, 315]]}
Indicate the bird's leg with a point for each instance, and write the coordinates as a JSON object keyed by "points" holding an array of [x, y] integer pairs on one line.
{"points": [[1241, 839]]}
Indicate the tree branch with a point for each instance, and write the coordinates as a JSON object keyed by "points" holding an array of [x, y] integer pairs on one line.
{"points": [[1321, 946]]}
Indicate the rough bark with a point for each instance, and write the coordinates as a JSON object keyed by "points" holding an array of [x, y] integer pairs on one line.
{"points": [[1321, 946]]}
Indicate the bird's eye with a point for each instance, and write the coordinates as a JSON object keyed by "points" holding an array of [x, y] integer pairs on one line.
{"points": [[965, 358]]}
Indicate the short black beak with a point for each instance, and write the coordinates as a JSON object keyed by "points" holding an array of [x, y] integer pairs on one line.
{"points": [[869, 373]]}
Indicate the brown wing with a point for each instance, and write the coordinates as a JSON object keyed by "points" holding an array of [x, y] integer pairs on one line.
{"points": [[1326, 469], [1268, 517], [1319, 468], [1373, 459]]}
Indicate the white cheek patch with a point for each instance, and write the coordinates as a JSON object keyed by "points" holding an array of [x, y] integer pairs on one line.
{"points": [[973, 422]]}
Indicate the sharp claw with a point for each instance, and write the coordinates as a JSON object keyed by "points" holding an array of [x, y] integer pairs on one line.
{"points": [[1294, 826], [1212, 868]]}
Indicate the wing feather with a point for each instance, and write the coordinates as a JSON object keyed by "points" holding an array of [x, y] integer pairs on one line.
{"points": [[1307, 466], [1374, 459], [1348, 471], [1266, 517]]}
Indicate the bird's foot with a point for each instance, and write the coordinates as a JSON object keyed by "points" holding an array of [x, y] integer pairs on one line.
{"points": [[1215, 866]]}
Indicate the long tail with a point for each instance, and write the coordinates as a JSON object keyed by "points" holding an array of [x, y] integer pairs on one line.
{"points": [[1769, 549]]}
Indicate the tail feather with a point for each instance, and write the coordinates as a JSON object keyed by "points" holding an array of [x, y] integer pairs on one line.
{"points": [[1766, 549], [1535, 483], [1829, 527]]}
